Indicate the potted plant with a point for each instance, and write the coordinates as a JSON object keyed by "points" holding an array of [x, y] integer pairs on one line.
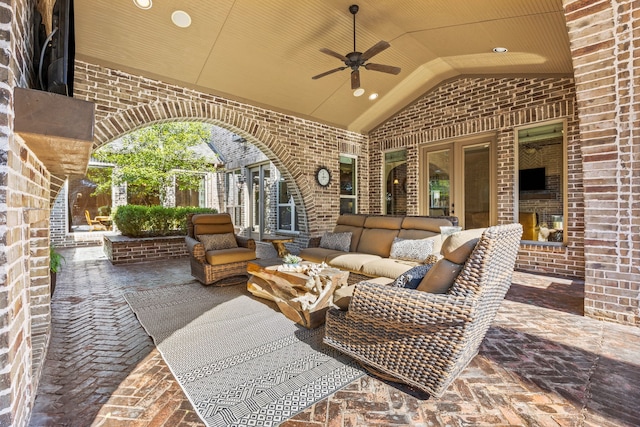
{"points": [[55, 262]]}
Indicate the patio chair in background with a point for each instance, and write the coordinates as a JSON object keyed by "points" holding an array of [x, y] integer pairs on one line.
{"points": [[94, 224], [426, 339], [215, 251]]}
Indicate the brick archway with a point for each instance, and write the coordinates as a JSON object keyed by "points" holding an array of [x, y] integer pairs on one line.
{"points": [[131, 119]]}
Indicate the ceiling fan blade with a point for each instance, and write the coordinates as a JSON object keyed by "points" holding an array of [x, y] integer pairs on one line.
{"points": [[384, 68], [375, 49], [355, 79], [326, 73], [334, 54]]}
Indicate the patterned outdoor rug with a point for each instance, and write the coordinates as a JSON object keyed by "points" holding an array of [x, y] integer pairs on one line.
{"points": [[239, 360]]}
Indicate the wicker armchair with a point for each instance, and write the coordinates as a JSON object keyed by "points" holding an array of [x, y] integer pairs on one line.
{"points": [[422, 339], [223, 266]]}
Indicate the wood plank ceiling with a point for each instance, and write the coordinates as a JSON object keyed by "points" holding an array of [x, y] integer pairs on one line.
{"points": [[265, 52]]}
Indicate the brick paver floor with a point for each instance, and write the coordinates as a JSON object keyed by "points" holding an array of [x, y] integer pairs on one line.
{"points": [[541, 364]]}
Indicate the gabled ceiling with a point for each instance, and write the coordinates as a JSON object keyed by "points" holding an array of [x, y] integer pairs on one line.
{"points": [[265, 52]]}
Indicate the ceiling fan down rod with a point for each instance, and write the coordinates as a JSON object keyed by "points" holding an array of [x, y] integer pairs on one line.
{"points": [[354, 9]]}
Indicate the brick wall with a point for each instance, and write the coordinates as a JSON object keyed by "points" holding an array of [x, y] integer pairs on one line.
{"points": [[468, 107], [605, 45], [128, 250], [282, 138], [24, 231]]}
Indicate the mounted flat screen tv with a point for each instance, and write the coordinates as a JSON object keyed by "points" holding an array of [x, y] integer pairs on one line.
{"points": [[55, 52], [532, 179]]}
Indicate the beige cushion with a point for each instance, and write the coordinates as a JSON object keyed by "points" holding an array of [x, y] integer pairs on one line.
{"points": [[228, 256], [214, 242], [342, 297], [386, 267], [350, 261], [317, 254], [424, 223], [458, 246], [440, 277], [384, 221], [377, 241]]}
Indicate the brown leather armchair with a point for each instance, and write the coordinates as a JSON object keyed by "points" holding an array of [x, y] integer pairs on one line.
{"points": [[217, 255]]}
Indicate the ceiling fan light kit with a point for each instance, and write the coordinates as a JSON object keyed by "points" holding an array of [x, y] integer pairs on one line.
{"points": [[354, 60]]}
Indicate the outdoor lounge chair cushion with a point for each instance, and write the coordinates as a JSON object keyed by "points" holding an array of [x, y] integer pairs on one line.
{"points": [[342, 296], [228, 256], [456, 249], [458, 246]]}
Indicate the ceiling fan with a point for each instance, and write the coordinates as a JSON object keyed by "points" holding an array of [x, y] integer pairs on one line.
{"points": [[355, 59]]}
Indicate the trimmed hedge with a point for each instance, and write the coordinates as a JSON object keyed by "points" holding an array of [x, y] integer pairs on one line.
{"points": [[152, 221]]}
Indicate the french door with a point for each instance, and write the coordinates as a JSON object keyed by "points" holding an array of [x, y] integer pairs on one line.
{"points": [[260, 183], [458, 178]]}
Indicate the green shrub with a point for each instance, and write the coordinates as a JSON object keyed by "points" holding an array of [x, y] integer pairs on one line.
{"points": [[150, 221]]}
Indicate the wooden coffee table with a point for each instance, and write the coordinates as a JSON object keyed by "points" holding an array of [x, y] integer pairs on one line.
{"points": [[302, 297]]}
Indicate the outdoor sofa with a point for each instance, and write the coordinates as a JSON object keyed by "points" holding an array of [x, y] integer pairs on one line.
{"points": [[378, 246]]}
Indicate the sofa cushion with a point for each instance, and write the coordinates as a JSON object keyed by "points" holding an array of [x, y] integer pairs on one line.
{"points": [[336, 241], [214, 242], [377, 241], [351, 261], [458, 246], [384, 221], [440, 277], [227, 256], [386, 267], [411, 278], [411, 249], [424, 223], [317, 255]]}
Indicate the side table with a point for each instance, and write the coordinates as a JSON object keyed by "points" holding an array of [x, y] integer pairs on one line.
{"points": [[278, 243]]}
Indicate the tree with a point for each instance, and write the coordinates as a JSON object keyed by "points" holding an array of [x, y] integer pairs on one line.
{"points": [[150, 158]]}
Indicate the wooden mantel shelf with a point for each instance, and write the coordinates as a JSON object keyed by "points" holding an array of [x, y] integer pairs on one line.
{"points": [[57, 128]]}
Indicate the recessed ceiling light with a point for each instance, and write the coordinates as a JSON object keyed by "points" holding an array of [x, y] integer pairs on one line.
{"points": [[373, 96], [181, 18], [143, 4], [500, 49], [358, 92]]}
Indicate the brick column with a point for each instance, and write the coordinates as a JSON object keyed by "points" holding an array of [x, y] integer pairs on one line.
{"points": [[604, 39]]}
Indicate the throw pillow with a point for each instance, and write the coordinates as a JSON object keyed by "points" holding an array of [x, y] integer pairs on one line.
{"points": [[213, 242], [457, 247], [336, 241], [440, 277], [411, 249], [411, 278]]}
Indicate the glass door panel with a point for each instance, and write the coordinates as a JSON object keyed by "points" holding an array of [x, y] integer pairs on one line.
{"points": [[460, 182], [439, 168], [477, 186]]}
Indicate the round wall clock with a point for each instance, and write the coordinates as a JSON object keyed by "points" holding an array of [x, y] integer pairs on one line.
{"points": [[323, 176]]}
